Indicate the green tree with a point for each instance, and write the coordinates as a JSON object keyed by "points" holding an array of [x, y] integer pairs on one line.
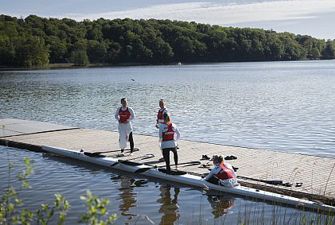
{"points": [[79, 58], [329, 51], [183, 48], [7, 51], [57, 49], [113, 52], [314, 53], [146, 41], [274, 48], [31, 52], [96, 51]]}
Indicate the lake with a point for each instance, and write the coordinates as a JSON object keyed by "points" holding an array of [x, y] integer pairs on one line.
{"points": [[280, 106]]}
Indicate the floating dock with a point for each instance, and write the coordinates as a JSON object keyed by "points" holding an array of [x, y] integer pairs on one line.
{"points": [[303, 176]]}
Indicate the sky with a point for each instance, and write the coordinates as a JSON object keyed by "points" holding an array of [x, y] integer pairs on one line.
{"points": [[309, 17]]}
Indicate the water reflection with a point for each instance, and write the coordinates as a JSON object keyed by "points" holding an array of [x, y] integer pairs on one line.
{"points": [[127, 196], [220, 204], [169, 204]]}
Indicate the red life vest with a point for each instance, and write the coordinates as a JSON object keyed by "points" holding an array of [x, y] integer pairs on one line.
{"points": [[124, 115], [169, 134], [225, 173], [160, 115]]}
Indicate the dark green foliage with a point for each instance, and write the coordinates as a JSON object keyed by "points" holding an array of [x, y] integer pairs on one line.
{"points": [[79, 58], [329, 51], [31, 52], [36, 41]]}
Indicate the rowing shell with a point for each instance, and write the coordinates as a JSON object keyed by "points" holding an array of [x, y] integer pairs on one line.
{"points": [[188, 179]]}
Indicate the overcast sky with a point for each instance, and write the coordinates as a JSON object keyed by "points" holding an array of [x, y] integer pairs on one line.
{"points": [[311, 17]]}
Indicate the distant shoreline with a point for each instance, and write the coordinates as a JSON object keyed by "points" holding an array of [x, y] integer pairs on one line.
{"points": [[72, 66], [102, 65]]}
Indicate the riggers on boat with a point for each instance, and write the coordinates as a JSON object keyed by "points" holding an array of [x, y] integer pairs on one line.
{"points": [[187, 179]]}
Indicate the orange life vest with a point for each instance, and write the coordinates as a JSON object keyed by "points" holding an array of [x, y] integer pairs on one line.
{"points": [[225, 173], [169, 134], [160, 115], [124, 115]]}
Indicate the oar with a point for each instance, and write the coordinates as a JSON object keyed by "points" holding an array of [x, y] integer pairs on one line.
{"points": [[142, 157], [191, 163], [273, 182], [99, 153]]}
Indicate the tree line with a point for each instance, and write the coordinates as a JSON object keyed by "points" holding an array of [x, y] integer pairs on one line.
{"points": [[35, 42]]}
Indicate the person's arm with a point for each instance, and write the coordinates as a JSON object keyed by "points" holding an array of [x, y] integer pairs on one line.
{"points": [[211, 173], [117, 114], [132, 114]]}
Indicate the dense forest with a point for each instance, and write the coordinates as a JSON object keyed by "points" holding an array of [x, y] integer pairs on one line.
{"points": [[36, 42]]}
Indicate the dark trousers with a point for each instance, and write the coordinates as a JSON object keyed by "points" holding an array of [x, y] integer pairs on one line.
{"points": [[213, 180], [131, 141], [166, 155]]}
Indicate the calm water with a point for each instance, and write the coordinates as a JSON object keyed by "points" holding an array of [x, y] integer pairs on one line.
{"points": [[285, 106], [134, 203]]}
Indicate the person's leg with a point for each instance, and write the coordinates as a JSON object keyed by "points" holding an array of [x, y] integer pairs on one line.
{"points": [[131, 141], [166, 155], [122, 137], [175, 156]]}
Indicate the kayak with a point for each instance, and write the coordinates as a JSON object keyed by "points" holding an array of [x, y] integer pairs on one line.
{"points": [[187, 179]]}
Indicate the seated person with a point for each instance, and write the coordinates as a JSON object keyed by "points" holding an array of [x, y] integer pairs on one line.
{"points": [[222, 173]]}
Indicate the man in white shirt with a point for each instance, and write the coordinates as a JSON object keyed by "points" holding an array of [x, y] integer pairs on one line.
{"points": [[124, 115]]}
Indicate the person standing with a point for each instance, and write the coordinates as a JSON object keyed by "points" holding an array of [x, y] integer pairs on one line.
{"points": [[168, 137], [161, 112], [124, 115]]}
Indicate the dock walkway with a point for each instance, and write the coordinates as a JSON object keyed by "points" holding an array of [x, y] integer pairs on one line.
{"points": [[311, 177]]}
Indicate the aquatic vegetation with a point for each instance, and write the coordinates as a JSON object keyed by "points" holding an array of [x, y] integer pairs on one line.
{"points": [[14, 211]]}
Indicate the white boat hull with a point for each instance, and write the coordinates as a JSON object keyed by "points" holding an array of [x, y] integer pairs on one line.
{"points": [[189, 179]]}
